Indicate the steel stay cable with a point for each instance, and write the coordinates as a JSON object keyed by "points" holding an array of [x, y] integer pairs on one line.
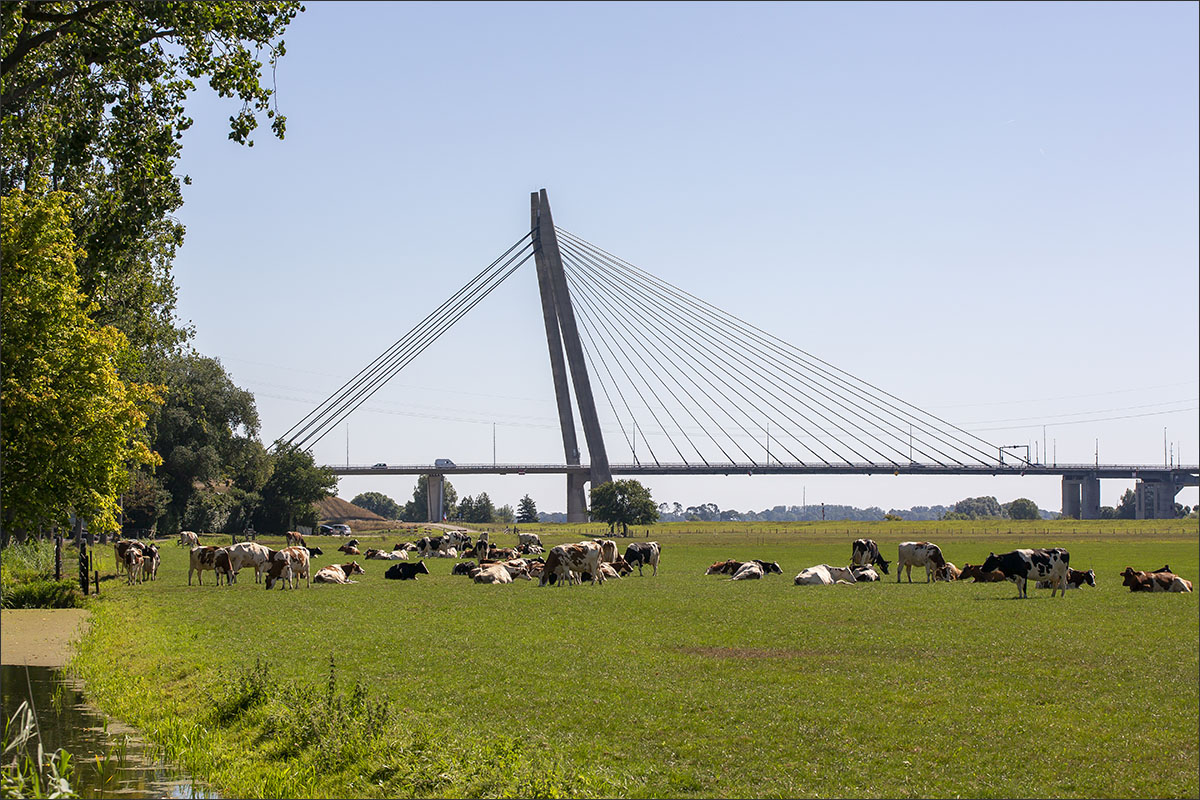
{"points": [[413, 344], [579, 276], [739, 327], [586, 306], [772, 380], [774, 342], [679, 404], [346, 388], [414, 348], [654, 327], [675, 333], [585, 345]]}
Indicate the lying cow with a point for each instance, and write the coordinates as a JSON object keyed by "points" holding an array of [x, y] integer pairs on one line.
{"points": [[406, 572], [498, 573], [529, 539], [1159, 581], [1020, 566], [864, 574], [338, 573], [1075, 579], [349, 550], [753, 570], [727, 567], [463, 568], [643, 553], [387, 555], [947, 572], [918, 554], [976, 571], [865, 553], [824, 575]]}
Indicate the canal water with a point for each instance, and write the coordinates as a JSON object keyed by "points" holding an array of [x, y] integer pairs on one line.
{"points": [[67, 721]]}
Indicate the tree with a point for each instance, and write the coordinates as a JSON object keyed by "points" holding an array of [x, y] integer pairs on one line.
{"points": [[380, 504], [1023, 508], [296, 483], [624, 502], [72, 427], [416, 510], [504, 514], [466, 509], [92, 100], [979, 507], [527, 511], [1127, 508], [205, 433]]}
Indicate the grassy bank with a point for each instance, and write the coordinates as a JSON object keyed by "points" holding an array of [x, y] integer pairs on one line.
{"points": [[681, 685]]}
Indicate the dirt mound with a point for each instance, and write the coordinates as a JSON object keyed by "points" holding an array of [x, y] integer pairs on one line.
{"points": [[337, 510]]}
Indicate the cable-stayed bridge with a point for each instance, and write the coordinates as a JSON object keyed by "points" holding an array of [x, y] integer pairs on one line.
{"points": [[702, 392]]}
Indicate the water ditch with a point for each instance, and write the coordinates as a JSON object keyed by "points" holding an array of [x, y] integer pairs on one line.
{"points": [[110, 759]]}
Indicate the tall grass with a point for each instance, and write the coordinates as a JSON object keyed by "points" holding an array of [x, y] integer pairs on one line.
{"points": [[27, 770]]}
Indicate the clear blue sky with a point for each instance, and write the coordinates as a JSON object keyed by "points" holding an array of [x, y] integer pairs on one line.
{"points": [[988, 210]]}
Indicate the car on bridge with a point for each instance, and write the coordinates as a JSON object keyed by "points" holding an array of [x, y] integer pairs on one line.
{"points": [[380, 465], [445, 463]]}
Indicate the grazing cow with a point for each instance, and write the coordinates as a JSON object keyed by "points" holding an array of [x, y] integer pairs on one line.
{"points": [[749, 571], [864, 574], [298, 562], [133, 565], [643, 553], [724, 567], [151, 561], [567, 558], [864, 552], [188, 539], [947, 572], [975, 571], [918, 554], [608, 551], [249, 554], [349, 549], [338, 573], [529, 539], [1075, 579], [1162, 580], [406, 572], [294, 539], [824, 575], [1019, 566], [463, 568], [201, 558], [223, 567], [278, 570], [120, 548]]}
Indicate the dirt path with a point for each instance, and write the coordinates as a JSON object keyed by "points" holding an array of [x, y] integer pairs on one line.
{"points": [[40, 637]]}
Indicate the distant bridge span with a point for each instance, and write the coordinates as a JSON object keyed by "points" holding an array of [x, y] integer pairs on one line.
{"points": [[1156, 487]]}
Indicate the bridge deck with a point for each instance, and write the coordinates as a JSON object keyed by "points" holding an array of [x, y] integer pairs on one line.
{"points": [[1182, 475]]}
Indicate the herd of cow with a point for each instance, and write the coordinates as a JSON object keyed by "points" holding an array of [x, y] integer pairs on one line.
{"points": [[598, 561]]}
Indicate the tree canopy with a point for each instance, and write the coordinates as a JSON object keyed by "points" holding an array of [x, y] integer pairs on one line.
{"points": [[72, 426], [1023, 508], [527, 510], [624, 502], [296, 483], [380, 504]]}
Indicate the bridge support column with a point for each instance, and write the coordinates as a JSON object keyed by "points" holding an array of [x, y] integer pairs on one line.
{"points": [[435, 499], [577, 509], [1070, 497], [1090, 506], [1155, 499]]}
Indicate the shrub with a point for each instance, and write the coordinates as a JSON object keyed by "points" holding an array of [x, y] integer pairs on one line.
{"points": [[43, 593]]}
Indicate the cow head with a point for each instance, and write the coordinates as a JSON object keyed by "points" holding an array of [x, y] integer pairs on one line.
{"points": [[421, 569], [353, 568], [992, 562], [314, 551], [771, 566], [1089, 577], [883, 565]]}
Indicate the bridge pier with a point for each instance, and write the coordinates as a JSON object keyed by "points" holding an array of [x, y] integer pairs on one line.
{"points": [[435, 499], [1156, 499], [577, 507], [1081, 496]]}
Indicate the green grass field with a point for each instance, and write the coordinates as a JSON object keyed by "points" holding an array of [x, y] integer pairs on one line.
{"points": [[680, 685]]}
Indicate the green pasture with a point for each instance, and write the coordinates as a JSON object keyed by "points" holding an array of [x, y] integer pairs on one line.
{"points": [[681, 685]]}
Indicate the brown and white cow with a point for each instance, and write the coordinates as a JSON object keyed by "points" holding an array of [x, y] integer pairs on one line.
{"points": [[338, 573], [120, 548], [567, 558], [151, 560], [947, 572], [249, 554], [976, 571], [133, 565], [200, 559], [188, 539], [295, 539], [349, 550], [608, 551], [297, 561], [223, 567], [1075, 579], [918, 554], [1162, 580], [727, 567]]}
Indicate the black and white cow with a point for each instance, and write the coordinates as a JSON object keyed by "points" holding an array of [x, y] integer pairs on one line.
{"points": [[406, 572], [865, 553], [643, 553], [1075, 579], [1019, 566]]}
